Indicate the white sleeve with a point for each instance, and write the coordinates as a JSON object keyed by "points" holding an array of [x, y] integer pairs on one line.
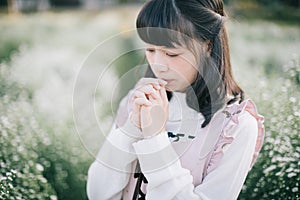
{"points": [[109, 173], [226, 181], [168, 180]]}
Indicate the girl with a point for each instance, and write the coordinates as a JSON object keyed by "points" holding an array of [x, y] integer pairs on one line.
{"points": [[184, 131]]}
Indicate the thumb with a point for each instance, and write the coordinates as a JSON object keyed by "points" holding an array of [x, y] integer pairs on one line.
{"points": [[135, 115], [145, 116]]}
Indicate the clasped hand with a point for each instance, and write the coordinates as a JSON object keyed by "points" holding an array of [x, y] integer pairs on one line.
{"points": [[150, 106]]}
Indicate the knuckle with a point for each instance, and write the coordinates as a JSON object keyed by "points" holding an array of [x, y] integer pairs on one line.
{"points": [[137, 93]]}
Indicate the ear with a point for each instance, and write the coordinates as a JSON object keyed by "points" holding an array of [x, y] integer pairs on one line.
{"points": [[209, 46]]}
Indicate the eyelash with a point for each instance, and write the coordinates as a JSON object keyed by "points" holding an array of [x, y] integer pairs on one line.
{"points": [[150, 50], [170, 55]]}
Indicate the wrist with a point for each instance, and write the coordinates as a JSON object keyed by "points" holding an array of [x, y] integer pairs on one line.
{"points": [[132, 121], [149, 136], [131, 130]]}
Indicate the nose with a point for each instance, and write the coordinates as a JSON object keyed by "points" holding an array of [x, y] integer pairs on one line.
{"points": [[160, 61]]}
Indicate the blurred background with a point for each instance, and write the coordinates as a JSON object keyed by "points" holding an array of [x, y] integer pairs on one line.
{"points": [[43, 45]]}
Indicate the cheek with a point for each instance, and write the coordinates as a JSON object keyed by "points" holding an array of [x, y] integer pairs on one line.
{"points": [[150, 61], [149, 58], [186, 70]]}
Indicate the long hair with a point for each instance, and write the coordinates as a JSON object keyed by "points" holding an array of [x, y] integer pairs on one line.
{"points": [[159, 23]]}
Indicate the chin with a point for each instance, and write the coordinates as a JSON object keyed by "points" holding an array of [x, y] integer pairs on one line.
{"points": [[175, 89], [170, 89]]}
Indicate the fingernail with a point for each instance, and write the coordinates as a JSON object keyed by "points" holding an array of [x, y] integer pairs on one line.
{"points": [[163, 82], [156, 85]]}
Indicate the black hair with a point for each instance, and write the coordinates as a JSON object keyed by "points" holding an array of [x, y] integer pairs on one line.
{"points": [[179, 22]]}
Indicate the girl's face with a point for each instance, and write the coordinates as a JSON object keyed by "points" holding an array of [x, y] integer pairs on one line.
{"points": [[177, 66]]}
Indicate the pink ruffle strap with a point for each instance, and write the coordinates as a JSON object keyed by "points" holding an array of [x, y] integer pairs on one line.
{"points": [[233, 113], [251, 108]]}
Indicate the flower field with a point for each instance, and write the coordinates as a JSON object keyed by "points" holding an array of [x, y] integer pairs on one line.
{"points": [[45, 153]]}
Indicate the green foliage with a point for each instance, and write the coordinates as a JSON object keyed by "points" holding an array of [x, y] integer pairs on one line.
{"points": [[276, 175], [35, 161], [41, 156], [65, 162], [271, 10], [293, 3], [10, 44], [21, 175]]}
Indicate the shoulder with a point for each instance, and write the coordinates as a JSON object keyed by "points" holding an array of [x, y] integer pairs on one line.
{"points": [[243, 117], [244, 114], [242, 128], [247, 126], [245, 123]]}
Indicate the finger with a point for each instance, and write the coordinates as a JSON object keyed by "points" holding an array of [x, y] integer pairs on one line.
{"points": [[136, 108], [135, 115], [142, 102], [138, 94], [162, 82], [163, 94], [147, 89], [151, 80], [155, 95], [155, 98], [145, 116], [155, 86]]}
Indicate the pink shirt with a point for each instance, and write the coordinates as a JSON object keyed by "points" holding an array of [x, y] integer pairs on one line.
{"points": [[181, 167]]}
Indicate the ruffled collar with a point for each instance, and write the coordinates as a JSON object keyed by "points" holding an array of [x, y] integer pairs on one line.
{"points": [[179, 110]]}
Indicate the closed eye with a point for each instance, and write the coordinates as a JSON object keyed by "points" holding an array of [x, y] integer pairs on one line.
{"points": [[172, 55], [150, 50]]}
